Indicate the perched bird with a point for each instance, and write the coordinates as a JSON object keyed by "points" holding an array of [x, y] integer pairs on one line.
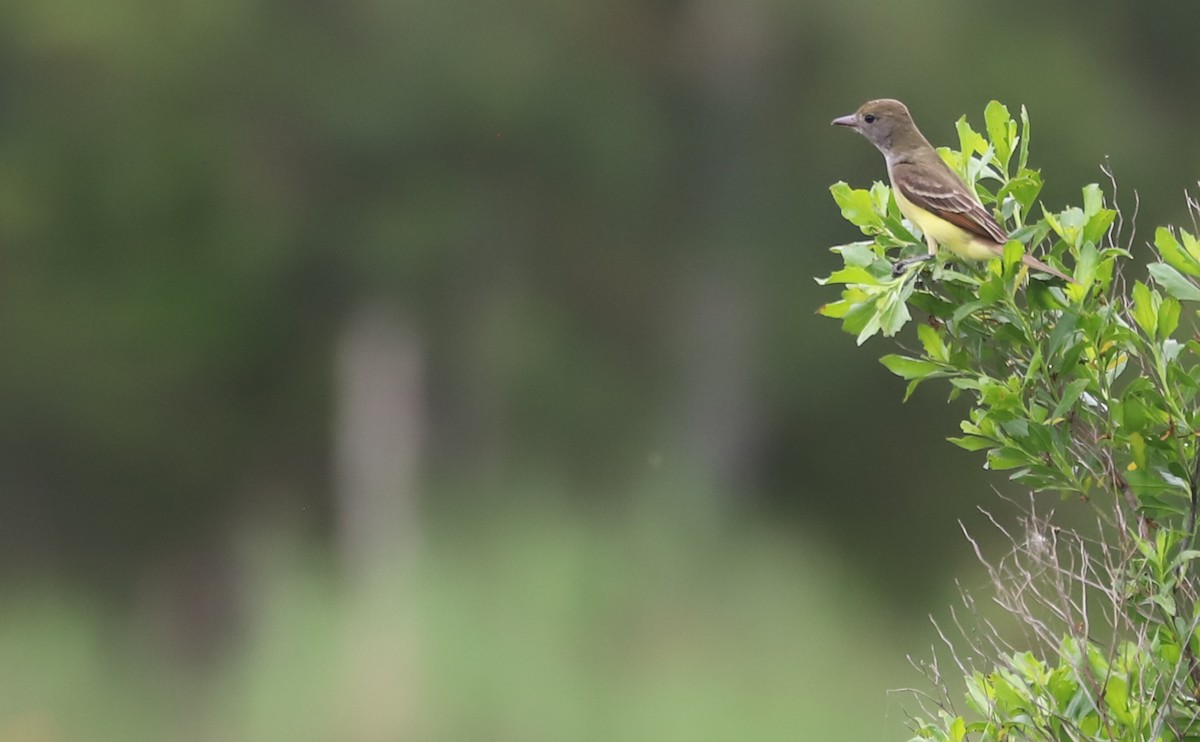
{"points": [[928, 192]]}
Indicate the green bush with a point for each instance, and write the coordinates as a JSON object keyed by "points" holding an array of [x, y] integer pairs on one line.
{"points": [[1088, 390]]}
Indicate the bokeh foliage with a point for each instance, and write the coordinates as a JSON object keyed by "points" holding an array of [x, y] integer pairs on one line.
{"points": [[598, 220]]}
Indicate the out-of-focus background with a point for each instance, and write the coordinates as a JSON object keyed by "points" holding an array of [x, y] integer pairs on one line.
{"points": [[413, 370]]}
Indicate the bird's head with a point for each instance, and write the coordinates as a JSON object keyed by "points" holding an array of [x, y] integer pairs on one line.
{"points": [[882, 122]]}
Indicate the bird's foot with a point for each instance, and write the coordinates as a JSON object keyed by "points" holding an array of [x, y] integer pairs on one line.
{"points": [[902, 266]]}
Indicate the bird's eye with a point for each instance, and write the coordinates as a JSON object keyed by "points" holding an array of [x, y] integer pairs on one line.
{"points": [[869, 118]]}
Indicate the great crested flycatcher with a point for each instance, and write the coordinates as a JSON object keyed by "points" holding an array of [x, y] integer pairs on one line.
{"points": [[928, 192]]}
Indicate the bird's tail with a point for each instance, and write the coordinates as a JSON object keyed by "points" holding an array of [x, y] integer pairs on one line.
{"points": [[1036, 264]]}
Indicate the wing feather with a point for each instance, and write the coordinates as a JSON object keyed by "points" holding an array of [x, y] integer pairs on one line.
{"points": [[940, 191]]}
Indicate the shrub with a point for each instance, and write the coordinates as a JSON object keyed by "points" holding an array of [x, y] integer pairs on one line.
{"points": [[1087, 390]]}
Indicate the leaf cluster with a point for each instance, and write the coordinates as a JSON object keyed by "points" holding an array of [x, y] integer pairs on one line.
{"points": [[1089, 389], [1081, 387]]}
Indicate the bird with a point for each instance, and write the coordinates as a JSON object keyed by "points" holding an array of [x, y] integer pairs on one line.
{"points": [[930, 194]]}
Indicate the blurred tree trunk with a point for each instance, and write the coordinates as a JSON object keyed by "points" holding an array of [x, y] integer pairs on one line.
{"points": [[718, 416], [379, 429], [720, 422]]}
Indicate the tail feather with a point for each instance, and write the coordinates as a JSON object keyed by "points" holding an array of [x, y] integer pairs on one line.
{"points": [[997, 250], [1036, 264]]}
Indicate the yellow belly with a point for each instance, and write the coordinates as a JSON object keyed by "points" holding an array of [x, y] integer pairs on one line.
{"points": [[952, 237]]}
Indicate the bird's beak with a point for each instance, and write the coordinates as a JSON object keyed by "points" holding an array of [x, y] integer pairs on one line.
{"points": [[849, 120]]}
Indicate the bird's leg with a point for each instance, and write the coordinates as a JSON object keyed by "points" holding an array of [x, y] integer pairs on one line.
{"points": [[900, 266]]}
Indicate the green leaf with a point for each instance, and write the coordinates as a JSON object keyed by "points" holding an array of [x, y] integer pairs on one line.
{"points": [[1069, 225], [1052, 220], [850, 274], [1098, 225], [949, 274], [857, 207], [1166, 602], [1174, 283], [871, 326], [1145, 308], [881, 196], [1174, 254], [953, 160], [1069, 397], [1035, 365], [835, 309], [861, 254], [992, 291], [894, 318], [1085, 266], [860, 312], [1013, 252], [972, 442], [966, 310], [1171, 349], [1024, 189], [1168, 317], [1116, 697], [1152, 490], [1011, 692], [958, 729], [1183, 557], [1041, 297], [909, 368], [969, 141], [978, 697], [1023, 157], [1080, 706], [1190, 243], [1093, 199], [932, 342], [1136, 414], [1063, 335], [894, 312], [977, 169], [933, 305], [1018, 428], [1007, 458], [1002, 130]]}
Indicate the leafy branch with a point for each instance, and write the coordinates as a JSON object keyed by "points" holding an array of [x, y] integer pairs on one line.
{"points": [[1087, 389]]}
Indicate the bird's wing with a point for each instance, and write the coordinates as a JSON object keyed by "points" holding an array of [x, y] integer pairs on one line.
{"points": [[940, 191]]}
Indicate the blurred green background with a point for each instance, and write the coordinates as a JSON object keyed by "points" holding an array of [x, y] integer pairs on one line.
{"points": [[412, 370]]}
